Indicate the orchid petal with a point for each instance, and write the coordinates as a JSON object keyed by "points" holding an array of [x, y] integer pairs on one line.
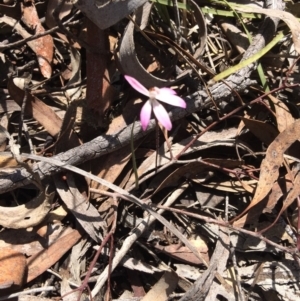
{"points": [[167, 91], [137, 85], [170, 99], [161, 114], [145, 114]]}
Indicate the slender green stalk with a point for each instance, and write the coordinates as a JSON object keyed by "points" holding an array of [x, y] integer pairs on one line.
{"points": [[251, 59]]}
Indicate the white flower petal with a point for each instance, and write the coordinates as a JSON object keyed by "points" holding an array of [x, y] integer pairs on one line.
{"points": [[145, 114], [161, 114], [137, 85]]}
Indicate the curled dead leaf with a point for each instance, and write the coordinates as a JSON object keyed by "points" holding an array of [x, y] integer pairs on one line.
{"points": [[291, 21], [27, 215], [128, 58]]}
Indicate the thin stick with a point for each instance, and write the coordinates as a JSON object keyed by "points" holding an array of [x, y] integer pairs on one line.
{"points": [[292, 251], [84, 284]]}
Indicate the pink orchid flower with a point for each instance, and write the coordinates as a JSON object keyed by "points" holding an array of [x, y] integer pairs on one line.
{"points": [[166, 95]]}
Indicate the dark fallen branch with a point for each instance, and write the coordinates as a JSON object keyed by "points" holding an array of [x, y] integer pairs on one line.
{"points": [[105, 144]]}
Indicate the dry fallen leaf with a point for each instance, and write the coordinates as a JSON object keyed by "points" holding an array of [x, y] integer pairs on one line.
{"points": [[184, 254], [13, 269], [7, 161], [269, 170], [43, 46], [42, 113], [290, 198], [43, 260], [283, 116], [280, 188], [28, 241], [265, 132], [85, 213], [163, 288], [138, 265]]}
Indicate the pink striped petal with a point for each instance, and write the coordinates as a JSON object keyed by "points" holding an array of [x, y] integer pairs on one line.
{"points": [[137, 85], [161, 114], [145, 114]]}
